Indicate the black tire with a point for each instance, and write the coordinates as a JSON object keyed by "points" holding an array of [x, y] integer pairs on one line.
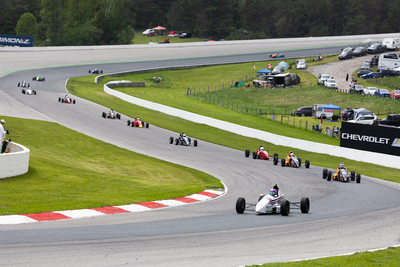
{"points": [[171, 140], [358, 178], [283, 162], [19, 84], [33, 78], [101, 72], [247, 153], [304, 205], [307, 164], [254, 154], [44, 79], [240, 205], [62, 100], [59, 99], [104, 115], [128, 122], [324, 173], [329, 177], [276, 159], [23, 91], [34, 92], [29, 85], [176, 141], [118, 116], [147, 125], [353, 175], [285, 207], [275, 155], [73, 101], [299, 162], [195, 143], [89, 71]]}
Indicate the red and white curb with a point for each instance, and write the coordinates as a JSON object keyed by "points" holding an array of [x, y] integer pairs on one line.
{"points": [[84, 213]]}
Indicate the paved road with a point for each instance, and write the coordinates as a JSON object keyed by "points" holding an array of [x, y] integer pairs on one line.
{"points": [[343, 217]]}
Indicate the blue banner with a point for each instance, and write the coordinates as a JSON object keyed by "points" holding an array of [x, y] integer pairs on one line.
{"points": [[15, 40]]}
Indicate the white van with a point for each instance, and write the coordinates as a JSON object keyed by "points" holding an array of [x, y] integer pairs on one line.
{"points": [[391, 43], [387, 63]]}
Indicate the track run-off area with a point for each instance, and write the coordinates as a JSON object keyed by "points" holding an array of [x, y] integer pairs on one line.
{"points": [[343, 218]]}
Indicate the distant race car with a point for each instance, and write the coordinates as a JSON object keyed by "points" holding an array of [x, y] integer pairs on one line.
{"points": [[277, 55], [28, 91], [38, 78], [342, 175], [24, 84], [95, 71], [292, 161], [182, 140], [66, 99], [274, 202], [137, 122], [111, 115], [261, 153]]}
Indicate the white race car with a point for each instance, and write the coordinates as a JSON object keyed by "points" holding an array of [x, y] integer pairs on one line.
{"points": [[28, 91], [276, 203]]}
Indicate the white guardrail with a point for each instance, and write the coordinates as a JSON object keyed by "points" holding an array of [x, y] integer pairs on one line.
{"points": [[353, 154], [15, 162]]}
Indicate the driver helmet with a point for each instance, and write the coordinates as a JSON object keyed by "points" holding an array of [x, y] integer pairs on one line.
{"points": [[138, 119], [184, 135], [341, 165], [291, 153], [261, 148], [273, 192]]}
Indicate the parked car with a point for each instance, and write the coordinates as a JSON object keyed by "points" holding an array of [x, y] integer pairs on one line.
{"points": [[376, 48], [362, 112], [331, 84], [148, 31], [371, 75], [278, 70], [185, 35], [304, 111], [322, 78], [301, 65], [348, 114], [370, 90], [395, 94], [389, 73], [294, 78], [360, 51], [357, 89], [346, 54], [365, 119], [367, 64], [382, 93], [362, 72]]}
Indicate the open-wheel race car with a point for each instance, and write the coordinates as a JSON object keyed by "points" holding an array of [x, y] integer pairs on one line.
{"points": [[341, 174], [66, 99], [137, 122], [95, 71], [277, 55], [111, 115], [292, 161], [28, 91], [23, 84], [274, 202], [182, 140], [261, 153], [39, 79]]}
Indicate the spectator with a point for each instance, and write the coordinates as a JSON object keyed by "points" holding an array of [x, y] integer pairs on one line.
{"points": [[2, 131], [347, 77]]}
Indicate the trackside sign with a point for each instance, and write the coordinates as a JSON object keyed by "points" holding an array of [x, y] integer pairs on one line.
{"points": [[15, 40], [370, 138]]}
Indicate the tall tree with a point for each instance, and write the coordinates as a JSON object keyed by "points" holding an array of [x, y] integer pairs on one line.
{"points": [[27, 26], [53, 17]]}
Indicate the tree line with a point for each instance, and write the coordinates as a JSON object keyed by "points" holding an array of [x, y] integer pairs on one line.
{"points": [[94, 22]]}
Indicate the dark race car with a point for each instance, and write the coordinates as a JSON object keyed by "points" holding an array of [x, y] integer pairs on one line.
{"points": [[66, 99], [137, 122], [111, 115], [38, 79], [23, 84], [95, 71], [182, 140]]}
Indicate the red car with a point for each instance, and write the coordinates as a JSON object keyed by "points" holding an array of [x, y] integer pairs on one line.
{"points": [[138, 123], [395, 94], [261, 153]]}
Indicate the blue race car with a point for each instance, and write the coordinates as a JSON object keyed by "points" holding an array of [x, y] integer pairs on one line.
{"points": [[371, 75], [182, 140], [277, 55], [95, 71]]}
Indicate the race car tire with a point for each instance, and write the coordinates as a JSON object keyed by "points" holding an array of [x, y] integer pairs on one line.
{"points": [[147, 125], [44, 79], [23, 91], [29, 85], [324, 173], [118, 116], [128, 123], [329, 177], [276, 159], [73, 101], [275, 154], [62, 100], [19, 84], [299, 162], [195, 143], [285, 207], [358, 178], [176, 141], [89, 71], [307, 164], [33, 78], [34, 92], [283, 162], [190, 140], [104, 115], [171, 140], [101, 72], [353, 175], [240, 205], [247, 153], [304, 205], [254, 155]]}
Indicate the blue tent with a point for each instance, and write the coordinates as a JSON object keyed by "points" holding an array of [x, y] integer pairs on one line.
{"points": [[264, 70], [330, 106]]}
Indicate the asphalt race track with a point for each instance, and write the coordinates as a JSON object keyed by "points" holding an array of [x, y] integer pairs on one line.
{"points": [[343, 218]]}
